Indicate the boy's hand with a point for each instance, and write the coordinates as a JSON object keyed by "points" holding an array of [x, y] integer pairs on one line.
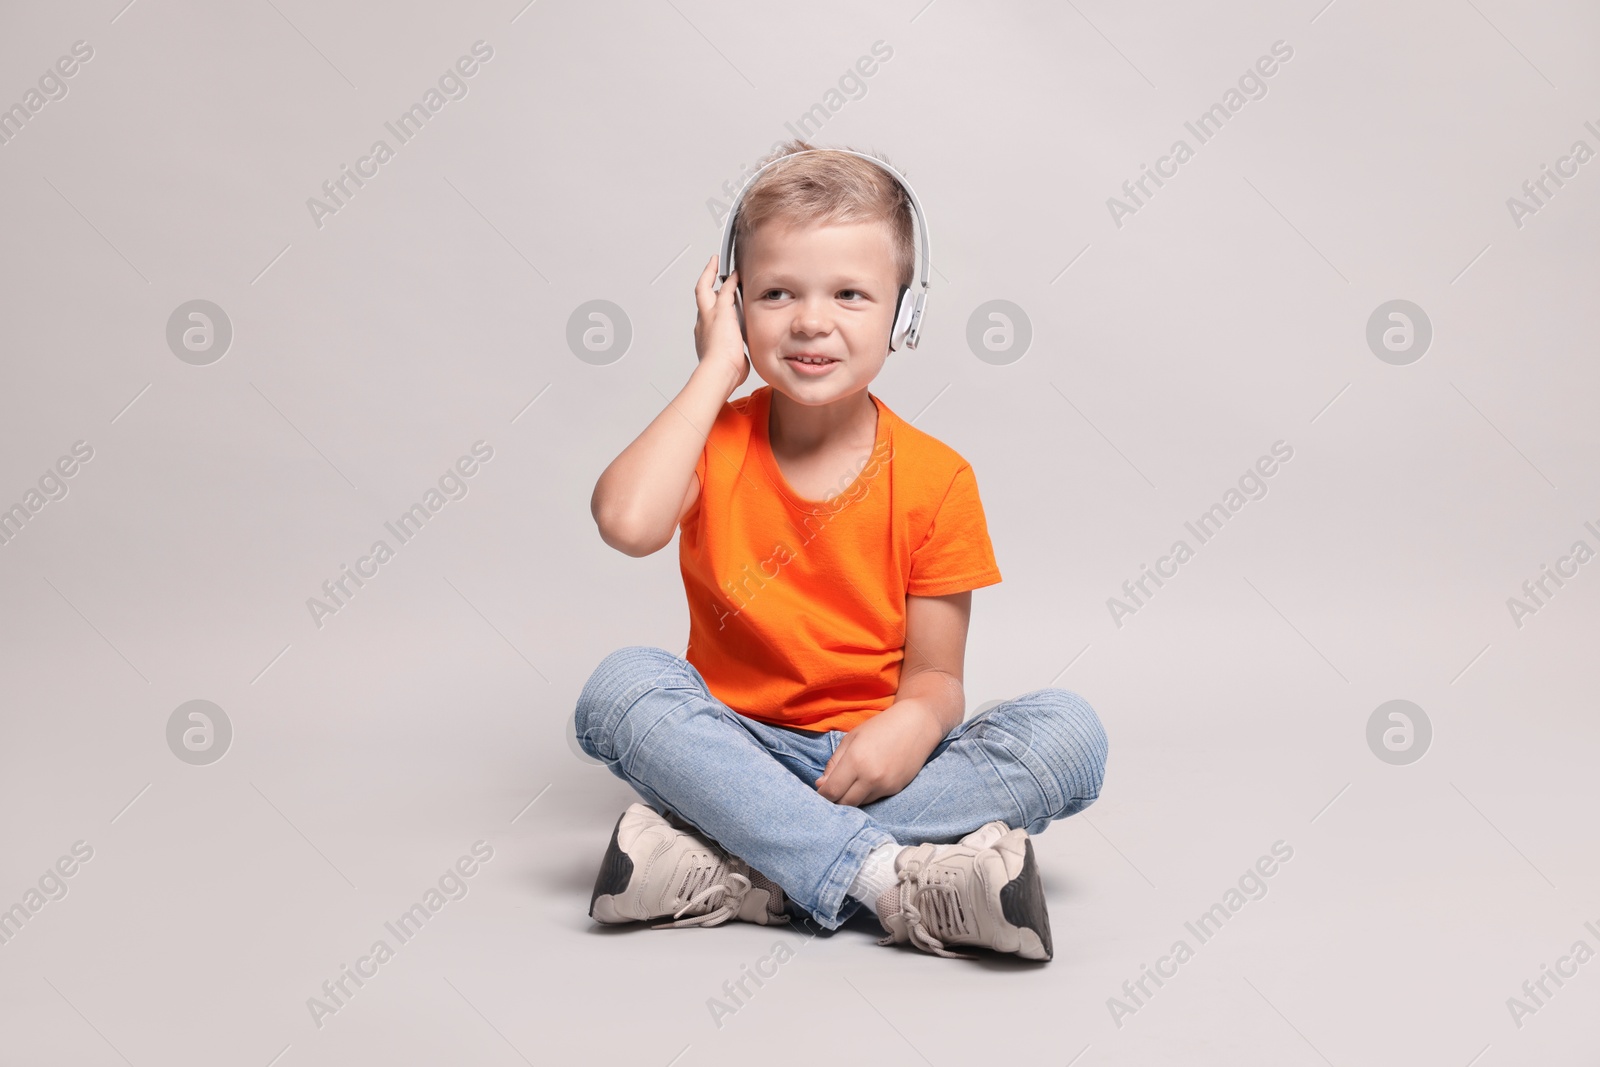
{"points": [[881, 756], [718, 341]]}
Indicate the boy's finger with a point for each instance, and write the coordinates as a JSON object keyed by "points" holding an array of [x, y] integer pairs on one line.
{"points": [[856, 796], [833, 761]]}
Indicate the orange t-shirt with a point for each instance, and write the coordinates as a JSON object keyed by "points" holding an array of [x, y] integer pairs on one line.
{"points": [[797, 608]]}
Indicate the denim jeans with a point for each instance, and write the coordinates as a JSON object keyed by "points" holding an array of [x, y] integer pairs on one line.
{"points": [[750, 787]]}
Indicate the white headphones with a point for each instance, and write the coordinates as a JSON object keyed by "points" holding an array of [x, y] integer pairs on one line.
{"points": [[909, 305]]}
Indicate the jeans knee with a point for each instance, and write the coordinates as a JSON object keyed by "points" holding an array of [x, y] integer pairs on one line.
{"points": [[614, 689], [1083, 757], [1069, 741]]}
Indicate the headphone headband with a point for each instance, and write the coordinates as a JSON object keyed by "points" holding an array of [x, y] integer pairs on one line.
{"points": [[910, 328]]}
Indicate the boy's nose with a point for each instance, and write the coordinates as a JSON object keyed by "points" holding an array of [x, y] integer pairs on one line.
{"points": [[811, 320]]}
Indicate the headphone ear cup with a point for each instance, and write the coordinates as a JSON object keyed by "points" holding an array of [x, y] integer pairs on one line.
{"points": [[738, 308], [902, 318]]}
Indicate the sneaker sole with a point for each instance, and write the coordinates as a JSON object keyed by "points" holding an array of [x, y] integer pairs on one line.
{"points": [[1022, 904], [616, 869]]}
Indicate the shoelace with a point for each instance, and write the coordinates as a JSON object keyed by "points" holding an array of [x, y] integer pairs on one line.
{"points": [[913, 884], [732, 897]]}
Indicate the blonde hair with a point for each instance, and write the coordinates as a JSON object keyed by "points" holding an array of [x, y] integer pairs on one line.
{"points": [[826, 186]]}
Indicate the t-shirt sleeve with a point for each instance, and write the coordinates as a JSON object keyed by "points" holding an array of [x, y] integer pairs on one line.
{"points": [[956, 555]]}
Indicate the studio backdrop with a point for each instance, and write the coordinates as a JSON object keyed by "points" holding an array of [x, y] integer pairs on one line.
{"points": [[1267, 328]]}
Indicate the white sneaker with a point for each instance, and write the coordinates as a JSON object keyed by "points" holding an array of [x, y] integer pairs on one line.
{"points": [[986, 835], [984, 891], [653, 868]]}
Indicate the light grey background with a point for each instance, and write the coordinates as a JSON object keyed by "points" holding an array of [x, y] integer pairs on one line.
{"points": [[1167, 354]]}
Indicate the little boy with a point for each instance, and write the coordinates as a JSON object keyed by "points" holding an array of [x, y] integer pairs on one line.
{"points": [[809, 754]]}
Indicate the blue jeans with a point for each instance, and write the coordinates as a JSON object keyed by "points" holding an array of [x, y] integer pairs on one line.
{"points": [[750, 788]]}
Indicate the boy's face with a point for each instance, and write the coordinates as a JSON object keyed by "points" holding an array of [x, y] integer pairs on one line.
{"points": [[819, 291]]}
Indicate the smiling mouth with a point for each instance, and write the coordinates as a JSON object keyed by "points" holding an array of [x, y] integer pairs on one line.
{"points": [[812, 361]]}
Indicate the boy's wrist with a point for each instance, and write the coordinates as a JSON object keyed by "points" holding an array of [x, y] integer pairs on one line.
{"points": [[939, 695], [724, 376], [931, 727]]}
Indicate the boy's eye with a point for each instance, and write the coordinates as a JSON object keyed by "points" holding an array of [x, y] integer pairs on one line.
{"points": [[778, 294]]}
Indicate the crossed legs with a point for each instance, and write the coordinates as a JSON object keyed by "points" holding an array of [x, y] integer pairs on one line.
{"points": [[748, 786]]}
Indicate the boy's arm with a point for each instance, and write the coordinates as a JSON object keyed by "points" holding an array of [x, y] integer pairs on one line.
{"points": [[640, 497], [881, 756]]}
